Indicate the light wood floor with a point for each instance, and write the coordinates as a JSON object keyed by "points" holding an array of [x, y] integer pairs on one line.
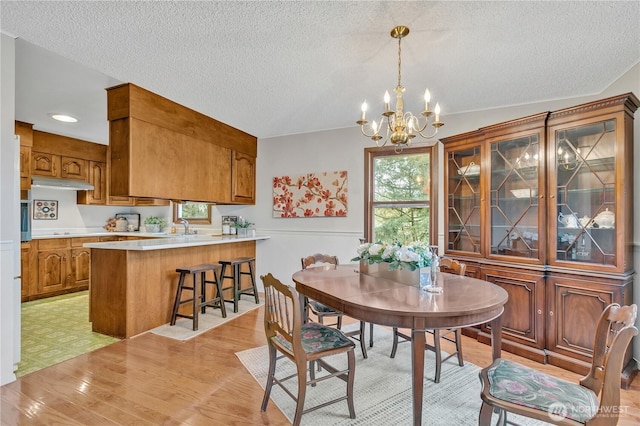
{"points": [[152, 380]]}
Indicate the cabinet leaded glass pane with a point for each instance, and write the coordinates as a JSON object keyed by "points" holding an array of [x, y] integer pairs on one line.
{"points": [[585, 167], [464, 200], [514, 197]]}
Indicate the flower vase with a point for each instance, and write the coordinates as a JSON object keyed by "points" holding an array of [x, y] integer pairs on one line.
{"points": [[433, 287], [242, 232], [403, 276], [153, 228]]}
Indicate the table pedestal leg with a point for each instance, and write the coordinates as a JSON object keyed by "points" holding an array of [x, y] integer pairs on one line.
{"points": [[417, 358]]}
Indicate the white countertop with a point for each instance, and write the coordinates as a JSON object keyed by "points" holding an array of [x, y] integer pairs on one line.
{"points": [[169, 241], [99, 234]]}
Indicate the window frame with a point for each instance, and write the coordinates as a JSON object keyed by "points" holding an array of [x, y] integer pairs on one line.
{"points": [[370, 154], [197, 221]]}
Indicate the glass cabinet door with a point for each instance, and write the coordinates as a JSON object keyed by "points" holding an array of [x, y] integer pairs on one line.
{"points": [[463, 199], [513, 197], [585, 180]]}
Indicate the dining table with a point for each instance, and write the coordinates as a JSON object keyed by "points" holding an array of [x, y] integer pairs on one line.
{"points": [[464, 301]]}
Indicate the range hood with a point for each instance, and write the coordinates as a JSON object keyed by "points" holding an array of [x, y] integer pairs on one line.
{"points": [[57, 183]]}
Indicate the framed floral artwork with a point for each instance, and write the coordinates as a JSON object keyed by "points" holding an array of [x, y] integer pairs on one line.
{"points": [[310, 195]]}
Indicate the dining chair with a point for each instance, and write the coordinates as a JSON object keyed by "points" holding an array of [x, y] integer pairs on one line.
{"points": [[322, 311], [510, 387], [304, 343], [453, 335]]}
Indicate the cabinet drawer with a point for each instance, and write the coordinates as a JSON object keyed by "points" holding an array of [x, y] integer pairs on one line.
{"points": [[53, 243], [78, 242]]}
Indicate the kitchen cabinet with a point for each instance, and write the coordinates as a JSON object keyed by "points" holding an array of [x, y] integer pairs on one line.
{"points": [[26, 268], [538, 206], [52, 165], [97, 176], [160, 149], [25, 132], [53, 266], [56, 266], [243, 178]]}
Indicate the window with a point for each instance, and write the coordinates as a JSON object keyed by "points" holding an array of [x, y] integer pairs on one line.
{"points": [[400, 190], [193, 212]]}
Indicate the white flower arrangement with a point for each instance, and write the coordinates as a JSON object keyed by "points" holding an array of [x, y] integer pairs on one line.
{"points": [[413, 256]]}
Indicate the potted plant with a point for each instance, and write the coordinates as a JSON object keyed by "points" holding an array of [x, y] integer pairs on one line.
{"points": [[154, 224], [242, 227]]}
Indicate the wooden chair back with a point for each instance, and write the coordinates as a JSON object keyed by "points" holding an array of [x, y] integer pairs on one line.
{"points": [[319, 258], [282, 317], [451, 265], [613, 335]]}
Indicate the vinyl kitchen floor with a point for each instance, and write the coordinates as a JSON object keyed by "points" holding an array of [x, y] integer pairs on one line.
{"points": [[56, 329]]}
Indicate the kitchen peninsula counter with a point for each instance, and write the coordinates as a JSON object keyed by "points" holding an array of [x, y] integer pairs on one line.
{"points": [[133, 283]]}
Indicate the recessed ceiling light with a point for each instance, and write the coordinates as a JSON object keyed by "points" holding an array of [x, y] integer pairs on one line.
{"points": [[64, 118]]}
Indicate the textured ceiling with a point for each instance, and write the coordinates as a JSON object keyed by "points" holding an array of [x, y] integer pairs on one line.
{"points": [[280, 68]]}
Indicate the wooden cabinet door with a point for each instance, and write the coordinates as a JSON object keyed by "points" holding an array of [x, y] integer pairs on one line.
{"points": [[80, 268], [25, 168], [52, 271], [73, 168], [97, 176], [523, 317], [243, 178], [45, 164], [573, 309], [25, 273]]}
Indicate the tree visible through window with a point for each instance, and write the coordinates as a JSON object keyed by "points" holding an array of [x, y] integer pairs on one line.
{"points": [[399, 195], [199, 213]]}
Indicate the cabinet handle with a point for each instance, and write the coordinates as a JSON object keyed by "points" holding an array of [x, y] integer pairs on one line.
{"points": [[539, 311], [550, 313], [551, 196]]}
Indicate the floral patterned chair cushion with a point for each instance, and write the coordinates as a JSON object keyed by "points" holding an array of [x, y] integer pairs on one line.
{"points": [[317, 338], [515, 383], [320, 307]]}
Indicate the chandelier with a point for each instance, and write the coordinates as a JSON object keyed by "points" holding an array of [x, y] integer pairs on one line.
{"points": [[401, 126]]}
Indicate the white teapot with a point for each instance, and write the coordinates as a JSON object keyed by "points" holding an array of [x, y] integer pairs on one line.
{"points": [[605, 219], [568, 220]]}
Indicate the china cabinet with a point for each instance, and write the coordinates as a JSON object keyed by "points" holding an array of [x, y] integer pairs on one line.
{"points": [[547, 215]]}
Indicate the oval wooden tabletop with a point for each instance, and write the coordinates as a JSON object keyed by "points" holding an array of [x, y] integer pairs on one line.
{"points": [[464, 301]]}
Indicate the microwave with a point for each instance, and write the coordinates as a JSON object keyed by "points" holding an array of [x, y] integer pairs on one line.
{"points": [[25, 220]]}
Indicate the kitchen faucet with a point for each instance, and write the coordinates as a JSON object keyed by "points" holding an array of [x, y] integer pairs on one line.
{"points": [[185, 222]]}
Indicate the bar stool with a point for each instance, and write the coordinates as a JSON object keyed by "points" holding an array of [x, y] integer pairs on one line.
{"points": [[236, 273], [199, 294]]}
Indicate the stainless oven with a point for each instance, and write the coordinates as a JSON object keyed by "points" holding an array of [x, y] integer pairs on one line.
{"points": [[25, 220]]}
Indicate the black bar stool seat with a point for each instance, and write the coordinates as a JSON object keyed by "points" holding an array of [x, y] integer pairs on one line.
{"points": [[236, 272], [198, 297]]}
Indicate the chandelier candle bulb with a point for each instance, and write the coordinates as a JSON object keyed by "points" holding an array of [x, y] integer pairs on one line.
{"points": [[427, 99], [387, 99], [437, 111], [364, 110]]}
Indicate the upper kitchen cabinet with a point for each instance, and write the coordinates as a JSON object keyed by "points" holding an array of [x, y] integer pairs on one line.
{"points": [[62, 156], [25, 132], [243, 177], [591, 185], [160, 149]]}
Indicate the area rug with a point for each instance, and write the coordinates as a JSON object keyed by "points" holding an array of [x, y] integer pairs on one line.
{"points": [[56, 329], [183, 330], [382, 393]]}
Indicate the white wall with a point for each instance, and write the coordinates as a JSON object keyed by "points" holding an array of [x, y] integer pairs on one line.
{"points": [[343, 149], [9, 219]]}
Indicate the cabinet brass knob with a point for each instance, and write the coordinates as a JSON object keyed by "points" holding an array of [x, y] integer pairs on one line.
{"points": [[550, 313], [539, 311]]}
